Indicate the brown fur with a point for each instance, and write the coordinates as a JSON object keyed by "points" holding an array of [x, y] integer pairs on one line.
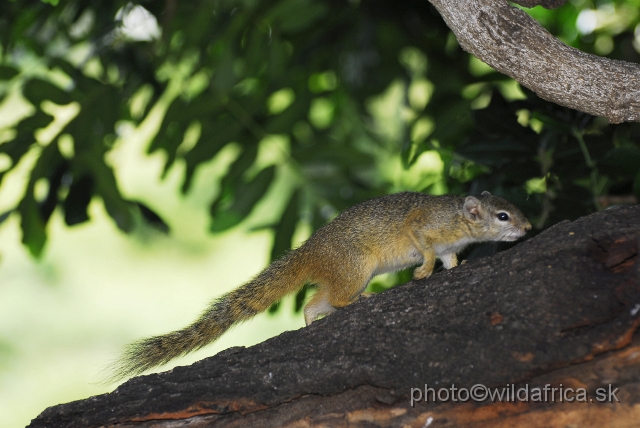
{"points": [[377, 236]]}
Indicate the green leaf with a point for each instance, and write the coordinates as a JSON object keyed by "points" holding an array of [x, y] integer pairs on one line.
{"points": [[33, 227], [106, 187], [77, 201], [25, 138], [7, 72], [59, 168], [224, 78], [285, 228], [152, 218], [214, 136], [34, 215], [245, 197], [293, 16], [37, 90], [66, 67], [225, 220], [233, 179], [283, 122], [274, 307], [5, 216]]}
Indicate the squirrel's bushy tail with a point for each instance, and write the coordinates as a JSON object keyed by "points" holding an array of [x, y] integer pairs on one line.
{"points": [[282, 277]]}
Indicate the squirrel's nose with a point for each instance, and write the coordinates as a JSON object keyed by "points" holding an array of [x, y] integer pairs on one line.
{"points": [[527, 227]]}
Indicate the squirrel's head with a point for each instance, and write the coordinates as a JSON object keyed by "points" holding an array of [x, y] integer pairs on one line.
{"points": [[498, 219]]}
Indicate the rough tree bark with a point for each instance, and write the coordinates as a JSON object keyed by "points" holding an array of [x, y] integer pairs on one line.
{"points": [[558, 309], [513, 43]]}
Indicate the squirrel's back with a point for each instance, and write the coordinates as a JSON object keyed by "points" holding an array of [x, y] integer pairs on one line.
{"points": [[384, 217]]}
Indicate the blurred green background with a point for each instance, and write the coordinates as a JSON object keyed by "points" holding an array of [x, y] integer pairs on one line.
{"points": [[154, 155]]}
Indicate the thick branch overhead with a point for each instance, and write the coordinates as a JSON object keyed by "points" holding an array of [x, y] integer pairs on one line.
{"points": [[513, 43]]}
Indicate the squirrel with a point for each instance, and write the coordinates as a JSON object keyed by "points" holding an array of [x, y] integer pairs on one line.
{"points": [[380, 235]]}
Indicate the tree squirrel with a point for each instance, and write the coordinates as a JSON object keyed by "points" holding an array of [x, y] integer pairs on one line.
{"points": [[381, 235]]}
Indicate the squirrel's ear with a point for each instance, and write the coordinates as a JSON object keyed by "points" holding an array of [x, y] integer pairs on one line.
{"points": [[485, 193], [472, 209]]}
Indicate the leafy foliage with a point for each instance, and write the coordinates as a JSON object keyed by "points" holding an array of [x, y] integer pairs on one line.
{"points": [[313, 74]]}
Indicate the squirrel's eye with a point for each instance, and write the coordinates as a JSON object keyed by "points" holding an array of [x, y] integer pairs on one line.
{"points": [[503, 216]]}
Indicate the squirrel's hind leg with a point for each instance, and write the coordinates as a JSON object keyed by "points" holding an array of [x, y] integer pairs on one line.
{"points": [[334, 293], [449, 260], [318, 306], [337, 288]]}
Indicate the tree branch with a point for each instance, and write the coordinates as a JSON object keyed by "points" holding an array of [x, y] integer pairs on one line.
{"points": [[558, 309], [513, 43]]}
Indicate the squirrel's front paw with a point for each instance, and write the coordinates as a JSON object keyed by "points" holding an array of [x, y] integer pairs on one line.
{"points": [[421, 273]]}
